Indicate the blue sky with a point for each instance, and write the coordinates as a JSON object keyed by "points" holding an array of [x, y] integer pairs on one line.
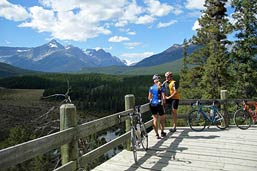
{"points": [[128, 29]]}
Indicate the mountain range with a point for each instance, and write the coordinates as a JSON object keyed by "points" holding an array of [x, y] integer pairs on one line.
{"points": [[54, 57]]}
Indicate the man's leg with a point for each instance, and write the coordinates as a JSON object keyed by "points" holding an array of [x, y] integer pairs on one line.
{"points": [[174, 111]]}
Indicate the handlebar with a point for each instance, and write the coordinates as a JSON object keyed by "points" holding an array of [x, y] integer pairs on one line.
{"points": [[135, 113]]}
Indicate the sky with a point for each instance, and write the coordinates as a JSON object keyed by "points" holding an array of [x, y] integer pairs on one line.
{"points": [[129, 29]]}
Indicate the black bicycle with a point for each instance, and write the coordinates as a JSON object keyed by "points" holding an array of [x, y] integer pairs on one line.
{"points": [[139, 136]]}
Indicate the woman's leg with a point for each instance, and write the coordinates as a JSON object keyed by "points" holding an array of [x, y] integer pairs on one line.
{"points": [[155, 124]]}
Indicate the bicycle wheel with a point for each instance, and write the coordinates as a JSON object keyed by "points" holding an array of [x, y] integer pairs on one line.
{"points": [[144, 137], [242, 119], [196, 120], [133, 144], [220, 120]]}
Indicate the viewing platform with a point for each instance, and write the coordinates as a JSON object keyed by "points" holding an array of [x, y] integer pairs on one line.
{"points": [[212, 149]]}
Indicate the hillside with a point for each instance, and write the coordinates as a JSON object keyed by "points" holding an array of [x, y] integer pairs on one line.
{"points": [[174, 66], [7, 70], [171, 54]]}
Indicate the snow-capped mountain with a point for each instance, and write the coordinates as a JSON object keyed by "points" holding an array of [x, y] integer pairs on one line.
{"points": [[54, 57]]}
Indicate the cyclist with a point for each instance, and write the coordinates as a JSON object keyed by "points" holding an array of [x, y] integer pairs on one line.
{"points": [[157, 99], [172, 97]]}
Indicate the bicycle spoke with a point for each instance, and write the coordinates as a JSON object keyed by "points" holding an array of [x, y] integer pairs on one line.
{"points": [[134, 144], [219, 119], [144, 137], [196, 120], [242, 119]]}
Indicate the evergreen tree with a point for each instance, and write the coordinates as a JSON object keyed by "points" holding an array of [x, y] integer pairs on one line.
{"points": [[212, 58], [245, 48]]}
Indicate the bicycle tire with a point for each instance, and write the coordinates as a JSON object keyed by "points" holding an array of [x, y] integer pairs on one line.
{"points": [[133, 144], [144, 137], [242, 119], [196, 121], [220, 120]]}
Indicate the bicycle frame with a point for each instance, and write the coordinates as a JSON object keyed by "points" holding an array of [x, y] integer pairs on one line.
{"points": [[198, 118], [139, 135], [252, 112]]}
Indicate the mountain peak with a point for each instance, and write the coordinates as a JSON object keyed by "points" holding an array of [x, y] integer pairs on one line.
{"points": [[54, 44], [176, 46]]}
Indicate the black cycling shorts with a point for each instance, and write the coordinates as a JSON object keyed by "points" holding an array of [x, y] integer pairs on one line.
{"points": [[173, 103], [157, 110]]}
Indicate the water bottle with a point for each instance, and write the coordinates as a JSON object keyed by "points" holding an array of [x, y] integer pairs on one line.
{"points": [[211, 114], [138, 131]]}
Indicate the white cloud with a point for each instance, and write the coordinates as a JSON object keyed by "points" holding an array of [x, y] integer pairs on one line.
{"points": [[136, 57], [106, 49], [155, 8], [7, 42], [41, 19], [195, 4], [80, 20], [118, 39], [146, 19], [132, 45], [161, 25], [132, 33], [196, 25], [12, 12]]}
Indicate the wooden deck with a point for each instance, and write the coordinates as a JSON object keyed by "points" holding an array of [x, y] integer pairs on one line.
{"points": [[228, 150]]}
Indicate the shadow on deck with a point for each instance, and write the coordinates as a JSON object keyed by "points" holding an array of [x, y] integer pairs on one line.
{"points": [[212, 149]]}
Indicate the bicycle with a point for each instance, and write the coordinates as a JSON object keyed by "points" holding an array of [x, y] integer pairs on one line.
{"points": [[198, 118], [246, 115], [139, 136]]}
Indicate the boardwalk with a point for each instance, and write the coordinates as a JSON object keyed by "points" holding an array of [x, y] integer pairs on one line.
{"points": [[212, 149]]}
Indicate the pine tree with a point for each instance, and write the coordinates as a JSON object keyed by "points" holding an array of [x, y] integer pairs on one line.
{"points": [[187, 90], [245, 48], [212, 58]]}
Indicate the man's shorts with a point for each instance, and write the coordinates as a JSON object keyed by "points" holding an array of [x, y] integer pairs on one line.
{"points": [[157, 110], [173, 103]]}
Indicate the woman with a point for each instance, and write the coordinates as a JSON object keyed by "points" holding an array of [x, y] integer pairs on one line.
{"points": [[157, 99]]}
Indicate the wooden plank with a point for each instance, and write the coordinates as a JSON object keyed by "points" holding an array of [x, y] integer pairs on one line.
{"points": [[101, 124], [212, 149], [27, 150], [90, 156], [70, 166]]}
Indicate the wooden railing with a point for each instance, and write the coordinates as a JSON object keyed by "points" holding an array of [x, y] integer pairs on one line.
{"points": [[68, 137], [70, 132]]}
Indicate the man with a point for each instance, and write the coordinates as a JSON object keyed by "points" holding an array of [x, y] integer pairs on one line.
{"points": [[157, 98], [172, 97]]}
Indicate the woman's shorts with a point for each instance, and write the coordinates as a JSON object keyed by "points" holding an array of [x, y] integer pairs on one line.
{"points": [[157, 110]]}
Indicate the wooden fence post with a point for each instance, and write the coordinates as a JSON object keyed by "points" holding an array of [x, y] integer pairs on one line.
{"points": [[68, 119], [223, 96], [129, 104]]}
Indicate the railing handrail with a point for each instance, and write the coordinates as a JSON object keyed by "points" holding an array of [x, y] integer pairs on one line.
{"points": [[21, 152]]}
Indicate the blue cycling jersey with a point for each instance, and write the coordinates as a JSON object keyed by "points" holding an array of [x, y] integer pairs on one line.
{"points": [[156, 94]]}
